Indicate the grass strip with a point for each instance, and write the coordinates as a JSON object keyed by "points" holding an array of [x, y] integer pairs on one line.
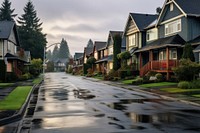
{"points": [[197, 95], [160, 84], [6, 84], [15, 99], [129, 81], [37, 80], [178, 90]]}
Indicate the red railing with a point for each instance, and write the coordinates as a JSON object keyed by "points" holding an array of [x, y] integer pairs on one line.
{"points": [[158, 66]]}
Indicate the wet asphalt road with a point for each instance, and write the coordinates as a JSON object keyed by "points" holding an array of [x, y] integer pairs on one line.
{"points": [[70, 104]]}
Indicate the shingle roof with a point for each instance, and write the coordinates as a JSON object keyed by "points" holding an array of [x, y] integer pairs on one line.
{"points": [[195, 41], [88, 50], [175, 40], [113, 33], [190, 7], [6, 28], [78, 56], [143, 20], [100, 45], [197, 49]]}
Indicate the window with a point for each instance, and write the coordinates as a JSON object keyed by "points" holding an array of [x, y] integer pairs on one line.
{"points": [[171, 7], [162, 55], [173, 27], [132, 40], [173, 54], [110, 50], [152, 34]]}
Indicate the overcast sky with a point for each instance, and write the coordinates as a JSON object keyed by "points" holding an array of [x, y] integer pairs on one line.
{"points": [[79, 20]]}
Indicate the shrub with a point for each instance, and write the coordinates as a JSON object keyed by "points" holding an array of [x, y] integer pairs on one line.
{"points": [[137, 81], [89, 72], [159, 77], [195, 84], [26, 76], [184, 85], [187, 70]]}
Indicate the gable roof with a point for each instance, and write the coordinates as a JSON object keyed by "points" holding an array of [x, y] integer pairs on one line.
{"points": [[6, 28], [175, 40], [100, 45], [78, 56], [189, 7], [143, 20], [88, 51], [197, 49], [112, 34]]}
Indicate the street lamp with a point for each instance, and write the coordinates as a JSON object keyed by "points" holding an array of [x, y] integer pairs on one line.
{"points": [[44, 55]]}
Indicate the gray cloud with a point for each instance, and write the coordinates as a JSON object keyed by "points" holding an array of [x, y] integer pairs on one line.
{"points": [[84, 19]]}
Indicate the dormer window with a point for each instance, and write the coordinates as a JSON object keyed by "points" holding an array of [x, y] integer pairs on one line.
{"points": [[171, 6]]}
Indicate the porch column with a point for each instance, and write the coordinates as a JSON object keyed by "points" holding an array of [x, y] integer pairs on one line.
{"points": [[151, 59], [167, 62], [140, 56]]}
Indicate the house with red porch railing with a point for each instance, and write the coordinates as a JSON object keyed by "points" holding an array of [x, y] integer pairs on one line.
{"points": [[178, 23]]}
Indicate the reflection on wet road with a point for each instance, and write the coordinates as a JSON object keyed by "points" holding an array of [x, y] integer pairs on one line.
{"points": [[70, 104]]}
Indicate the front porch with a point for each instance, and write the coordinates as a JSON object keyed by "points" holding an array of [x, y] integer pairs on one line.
{"points": [[163, 66]]}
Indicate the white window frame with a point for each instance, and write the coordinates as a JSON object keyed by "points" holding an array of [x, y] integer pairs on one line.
{"points": [[162, 55], [132, 40], [173, 27], [173, 54]]}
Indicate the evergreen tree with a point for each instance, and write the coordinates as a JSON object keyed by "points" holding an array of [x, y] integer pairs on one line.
{"points": [[64, 50], [30, 32], [90, 44], [188, 52], [116, 50], [55, 53], [48, 55], [6, 13]]}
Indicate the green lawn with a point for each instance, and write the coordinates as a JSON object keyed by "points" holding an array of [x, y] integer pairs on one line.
{"points": [[129, 81], [160, 84], [37, 80], [197, 95], [6, 84], [15, 99], [178, 90]]}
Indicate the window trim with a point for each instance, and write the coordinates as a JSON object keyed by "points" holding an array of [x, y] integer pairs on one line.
{"points": [[173, 27]]}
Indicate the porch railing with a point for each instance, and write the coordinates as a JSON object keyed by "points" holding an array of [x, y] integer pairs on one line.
{"points": [[158, 66]]}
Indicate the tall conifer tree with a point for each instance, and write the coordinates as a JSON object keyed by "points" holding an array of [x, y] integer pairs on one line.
{"points": [[30, 32], [6, 13]]}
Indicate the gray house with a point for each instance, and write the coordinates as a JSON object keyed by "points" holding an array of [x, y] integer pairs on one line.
{"points": [[177, 24]]}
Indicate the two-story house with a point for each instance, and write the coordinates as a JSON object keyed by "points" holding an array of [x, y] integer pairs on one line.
{"points": [[177, 24], [135, 34], [78, 62], [110, 47], [101, 56], [9, 41]]}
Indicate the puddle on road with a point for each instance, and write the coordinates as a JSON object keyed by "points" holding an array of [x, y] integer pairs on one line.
{"points": [[64, 122], [83, 94]]}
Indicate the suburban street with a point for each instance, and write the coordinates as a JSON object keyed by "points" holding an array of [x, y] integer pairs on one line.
{"points": [[73, 104]]}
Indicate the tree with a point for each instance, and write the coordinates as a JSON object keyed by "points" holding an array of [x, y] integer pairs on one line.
{"points": [[30, 32], [55, 53], [187, 70], [6, 13], [124, 56], [49, 55], [36, 67], [90, 44], [64, 50], [188, 52], [116, 50]]}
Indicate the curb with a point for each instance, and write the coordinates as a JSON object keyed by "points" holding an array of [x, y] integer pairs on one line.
{"points": [[20, 113], [143, 91]]}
